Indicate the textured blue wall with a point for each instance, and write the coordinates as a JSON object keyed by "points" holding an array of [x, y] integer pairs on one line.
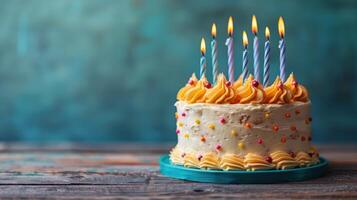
{"points": [[106, 70]]}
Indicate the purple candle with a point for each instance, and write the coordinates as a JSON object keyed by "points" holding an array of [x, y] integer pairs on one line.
{"points": [[281, 29], [245, 57], [255, 49], [229, 44]]}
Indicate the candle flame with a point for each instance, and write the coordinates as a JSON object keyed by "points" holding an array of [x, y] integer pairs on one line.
{"points": [[281, 27], [230, 26], [245, 39], [203, 46], [254, 25], [267, 33], [214, 30]]}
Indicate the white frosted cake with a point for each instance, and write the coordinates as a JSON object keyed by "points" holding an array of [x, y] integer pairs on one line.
{"points": [[243, 126]]}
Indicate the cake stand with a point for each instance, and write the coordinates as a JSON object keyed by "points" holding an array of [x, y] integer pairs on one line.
{"points": [[240, 176]]}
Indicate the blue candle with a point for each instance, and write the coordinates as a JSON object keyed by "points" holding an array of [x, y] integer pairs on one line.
{"points": [[229, 44], [245, 57], [255, 49], [214, 54], [203, 58], [282, 48], [266, 58]]}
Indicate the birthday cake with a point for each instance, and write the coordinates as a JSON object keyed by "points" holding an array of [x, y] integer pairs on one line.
{"points": [[242, 125]]}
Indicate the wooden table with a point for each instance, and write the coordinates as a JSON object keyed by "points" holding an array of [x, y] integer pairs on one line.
{"points": [[131, 171]]}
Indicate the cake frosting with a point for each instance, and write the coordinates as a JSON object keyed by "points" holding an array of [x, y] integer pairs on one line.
{"points": [[243, 126]]}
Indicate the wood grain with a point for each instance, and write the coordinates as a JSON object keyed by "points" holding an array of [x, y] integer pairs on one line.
{"points": [[99, 172]]}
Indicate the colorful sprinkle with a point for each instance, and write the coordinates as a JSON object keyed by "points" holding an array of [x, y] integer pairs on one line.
{"points": [[275, 128], [177, 131], [241, 145], [269, 159], [203, 139], [191, 82], [218, 147], [287, 115], [234, 132], [186, 135], [281, 85], [311, 154], [199, 157], [248, 125], [292, 154], [267, 115], [222, 120], [183, 155], [283, 139], [297, 111], [293, 128], [228, 84], [255, 83], [208, 85], [180, 124], [260, 141], [176, 115], [183, 114], [309, 138], [310, 119], [197, 121], [303, 138], [211, 126]]}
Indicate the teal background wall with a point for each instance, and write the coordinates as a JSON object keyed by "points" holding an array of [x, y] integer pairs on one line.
{"points": [[107, 70]]}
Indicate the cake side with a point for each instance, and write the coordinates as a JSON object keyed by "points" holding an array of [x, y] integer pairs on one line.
{"points": [[243, 136]]}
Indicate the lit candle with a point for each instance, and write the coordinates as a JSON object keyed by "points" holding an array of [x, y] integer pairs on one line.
{"points": [[281, 29], [266, 57], [203, 58], [214, 53], [229, 44], [255, 49], [245, 57]]}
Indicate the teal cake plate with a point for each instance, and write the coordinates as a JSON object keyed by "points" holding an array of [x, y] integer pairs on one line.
{"points": [[253, 177]]}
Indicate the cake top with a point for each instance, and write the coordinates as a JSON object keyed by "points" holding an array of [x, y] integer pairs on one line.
{"points": [[251, 91]]}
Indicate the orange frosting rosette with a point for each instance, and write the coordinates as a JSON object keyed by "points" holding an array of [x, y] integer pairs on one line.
{"points": [[222, 92], [197, 93], [298, 92], [278, 93], [238, 83], [251, 91], [190, 84]]}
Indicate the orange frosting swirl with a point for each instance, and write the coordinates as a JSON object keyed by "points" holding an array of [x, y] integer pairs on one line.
{"points": [[298, 92], [251, 91], [190, 84], [197, 93], [278, 93], [222, 92], [238, 83]]}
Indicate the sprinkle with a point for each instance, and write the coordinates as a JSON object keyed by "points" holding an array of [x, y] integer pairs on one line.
{"points": [[234, 132], [203, 139], [293, 128], [311, 154], [176, 115], [248, 125], [260, 141], [297, 111], [208, 85], [211, 126], [275, 128], [310, 119], [183, 155], [303, 138], [180, 124], [241, 145], [177, 131], [186, 135], [222, 120], [287, 115], [197, 121], [218, 147], [269, 159], [283, 139], [280, 85], [267, 115], [183, 114], [292, 154], [199, 157], [255, 83], [191, 82], [309, 138], [228, 83]]}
